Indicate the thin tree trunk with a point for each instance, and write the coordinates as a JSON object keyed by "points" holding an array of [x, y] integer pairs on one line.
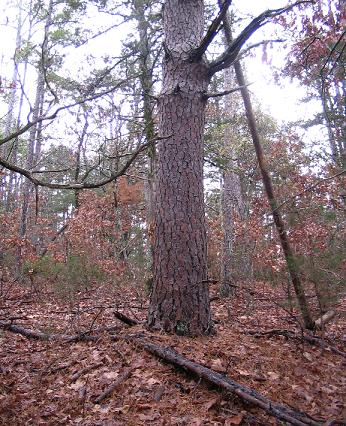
{"points": [[292, 265], [11, 152], [34, 147], [146, 79], [180, 297], [27, 190], [81, 141], [232, 201]]}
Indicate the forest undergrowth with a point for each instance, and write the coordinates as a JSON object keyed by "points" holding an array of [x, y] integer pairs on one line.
{"points": [[58, 382]]}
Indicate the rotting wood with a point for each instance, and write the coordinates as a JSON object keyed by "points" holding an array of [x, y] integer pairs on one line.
{"points": [[85, 370], [313, 340], [249, 395], [119, 380]]}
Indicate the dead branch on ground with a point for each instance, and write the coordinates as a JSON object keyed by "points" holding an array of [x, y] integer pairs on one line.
{"points": [[279, 411], [39, 335], [125, 319], [313, 340], [119, 380], [249, 395], [324, 319], [85, 370], [62, 366]]}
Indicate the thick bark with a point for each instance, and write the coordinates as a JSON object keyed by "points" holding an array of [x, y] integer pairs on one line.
{"points": [[180, 296]]}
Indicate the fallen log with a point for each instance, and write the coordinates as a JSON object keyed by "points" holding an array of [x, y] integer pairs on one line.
{"points": [[280, 411]]}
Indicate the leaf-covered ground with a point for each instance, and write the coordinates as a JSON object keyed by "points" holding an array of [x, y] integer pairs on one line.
{"points": [[39, 383]]}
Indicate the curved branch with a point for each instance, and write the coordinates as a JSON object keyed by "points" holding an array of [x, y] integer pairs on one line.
{"points": [[232, 52], [197, 54], [332, 51], [76, 185]]}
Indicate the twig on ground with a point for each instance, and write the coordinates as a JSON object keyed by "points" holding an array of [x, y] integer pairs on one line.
{"points": [[119, 380], [39, 335], [85, 370], [62, 366]]}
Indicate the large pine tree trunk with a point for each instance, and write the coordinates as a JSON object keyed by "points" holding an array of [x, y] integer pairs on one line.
{"points": [[180, 296]]}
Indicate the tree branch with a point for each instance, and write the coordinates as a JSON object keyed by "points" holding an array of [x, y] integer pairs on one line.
{"points": [[118, 381], [197, 54], [224, 93], [332, 51], [261, 43], [76, 185], [54, 114], [232, 52]]}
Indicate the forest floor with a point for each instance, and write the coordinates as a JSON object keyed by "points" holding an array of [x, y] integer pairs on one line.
{"points": [[39, 382]]}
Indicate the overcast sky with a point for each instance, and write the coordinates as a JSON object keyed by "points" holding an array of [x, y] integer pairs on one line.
{"points": [[282, 102]]}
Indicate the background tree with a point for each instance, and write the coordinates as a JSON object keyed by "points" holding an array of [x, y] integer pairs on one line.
{"points": [[317, 59]]}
